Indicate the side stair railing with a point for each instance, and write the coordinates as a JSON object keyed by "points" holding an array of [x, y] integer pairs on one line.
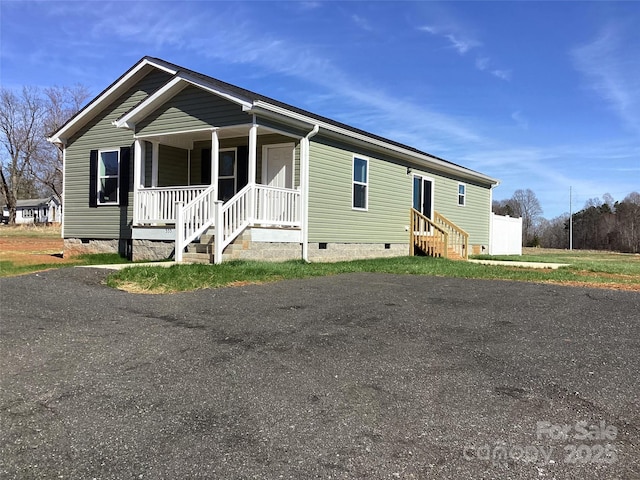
{"points": [[194, 218], [231, 219], [458, 238], [426, 236]]}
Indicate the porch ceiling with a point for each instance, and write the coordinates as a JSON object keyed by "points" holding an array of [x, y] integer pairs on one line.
{"points": [[187, 139]]}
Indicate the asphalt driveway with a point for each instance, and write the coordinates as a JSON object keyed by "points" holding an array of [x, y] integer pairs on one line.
{"points": [[351, 376]]}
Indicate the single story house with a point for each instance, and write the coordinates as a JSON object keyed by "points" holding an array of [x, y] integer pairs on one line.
{"points": [[35, 210], [167, 161]]}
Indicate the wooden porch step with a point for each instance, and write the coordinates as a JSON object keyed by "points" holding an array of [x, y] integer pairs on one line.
{"points": [[453, 255]]}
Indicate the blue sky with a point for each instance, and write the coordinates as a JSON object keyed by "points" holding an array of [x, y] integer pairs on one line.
{"points": [[541, 95]]}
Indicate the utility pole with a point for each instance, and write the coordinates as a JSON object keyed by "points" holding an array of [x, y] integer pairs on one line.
{"points": [[570, 219]]}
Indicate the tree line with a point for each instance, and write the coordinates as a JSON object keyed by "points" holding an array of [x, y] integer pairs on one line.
{"points": [[602, 224], [29, 165]]}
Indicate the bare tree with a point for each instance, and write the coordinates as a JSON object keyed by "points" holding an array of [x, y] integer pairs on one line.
{"points": [[628, 213], [27, 159], [21, 127], [554, 233], [502, 207], [61, 103], [525, 204]]}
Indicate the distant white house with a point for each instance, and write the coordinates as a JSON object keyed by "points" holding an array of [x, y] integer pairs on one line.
{"points": [[35, 210]]}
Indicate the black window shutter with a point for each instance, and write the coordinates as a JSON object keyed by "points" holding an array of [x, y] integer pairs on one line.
{"points": [[243, 166], [125, 165], [205, 166], [93, 178]]}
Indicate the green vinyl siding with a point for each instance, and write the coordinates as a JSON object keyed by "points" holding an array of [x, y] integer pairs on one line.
{"points": [[173, 166], [81, 221], [192, 109], [473, 217], [331, 216], [390, 196]]}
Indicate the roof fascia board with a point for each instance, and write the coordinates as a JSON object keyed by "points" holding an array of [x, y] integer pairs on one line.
{"points": [[369, 141], [244, 102], [61, 136]]}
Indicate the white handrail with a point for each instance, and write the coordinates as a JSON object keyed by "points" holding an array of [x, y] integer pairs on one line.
{"points": [[193, 219], [231, 219]]}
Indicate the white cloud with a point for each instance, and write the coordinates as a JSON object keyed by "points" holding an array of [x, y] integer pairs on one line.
{"points": [[520, 120], [460, 41], [613, 72], [462, 45], [482, 63], [361, 22], [429, 29], [502, 74]]}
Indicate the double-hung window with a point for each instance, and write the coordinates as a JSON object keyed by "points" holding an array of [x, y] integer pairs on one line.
{"points": [[108, 176], [227, 174], [462, 194], [360, 183]]}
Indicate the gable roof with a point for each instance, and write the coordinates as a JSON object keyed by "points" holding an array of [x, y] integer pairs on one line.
{"points": [[117, 88], [251, 102], [35, 202]]}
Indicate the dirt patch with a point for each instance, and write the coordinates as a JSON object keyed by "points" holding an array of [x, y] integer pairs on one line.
{"points": [[615, 276], [28, 250], [631, 287]]}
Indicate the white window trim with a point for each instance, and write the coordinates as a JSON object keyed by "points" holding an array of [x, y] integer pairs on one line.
{"points": [[464, 195], [366, 184], [98, 177], [235, 167], [423, 177]]}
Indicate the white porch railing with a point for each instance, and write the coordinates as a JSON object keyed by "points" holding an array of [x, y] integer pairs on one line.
{"points": [[194, 218], [277, 206], [158, 204], [258, 204]]}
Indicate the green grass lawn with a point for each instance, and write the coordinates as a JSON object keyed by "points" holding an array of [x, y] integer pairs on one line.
{"points": [[604, 269], [620, 271]]}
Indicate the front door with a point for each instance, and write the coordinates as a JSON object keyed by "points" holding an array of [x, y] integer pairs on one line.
{"points": [[423, 195], [277, 170]]}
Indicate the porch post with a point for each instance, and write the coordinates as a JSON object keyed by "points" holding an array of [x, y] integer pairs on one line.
{"points": [[138, 155], [253, 156], [304, 189], [215, 153]]}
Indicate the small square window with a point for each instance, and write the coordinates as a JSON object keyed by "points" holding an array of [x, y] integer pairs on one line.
{"points": [[462, 193]]}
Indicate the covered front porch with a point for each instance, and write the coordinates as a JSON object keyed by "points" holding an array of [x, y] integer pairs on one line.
{"points": [[222, 178]]}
